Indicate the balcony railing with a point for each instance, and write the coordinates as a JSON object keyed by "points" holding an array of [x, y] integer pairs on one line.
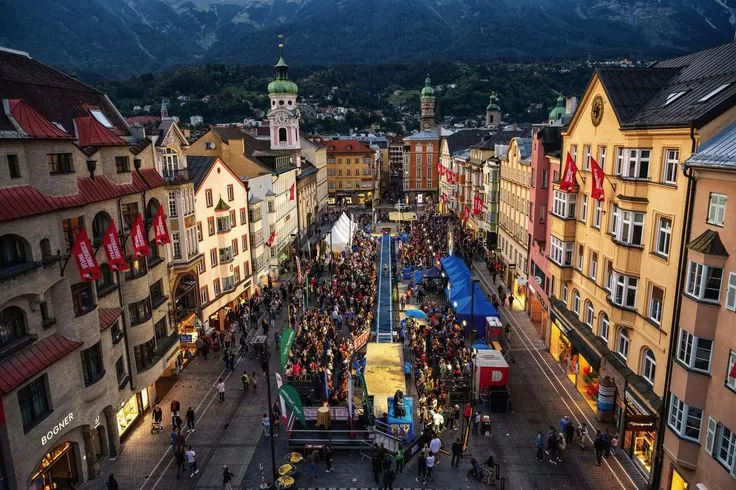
{"points": [[178, 176]]}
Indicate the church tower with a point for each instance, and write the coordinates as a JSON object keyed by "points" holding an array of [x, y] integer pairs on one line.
{"points": [[493, 112], [426, 105], [283, 114]]}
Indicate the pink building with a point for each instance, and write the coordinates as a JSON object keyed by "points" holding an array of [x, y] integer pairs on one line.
{"points": [[546, 144]]}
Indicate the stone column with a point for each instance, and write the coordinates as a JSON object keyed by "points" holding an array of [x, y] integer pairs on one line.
{"points": [[113, 437], [89, 451]]}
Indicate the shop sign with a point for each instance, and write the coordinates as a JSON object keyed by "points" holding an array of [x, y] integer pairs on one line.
{"points": [[540, 299], [641, 423], [186, 338], [56, 429], [362, 339], [633, 405]]}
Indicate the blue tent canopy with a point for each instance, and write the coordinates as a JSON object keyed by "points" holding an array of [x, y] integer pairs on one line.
{"points": [[418, 274], [481, 308], [432, 273]]}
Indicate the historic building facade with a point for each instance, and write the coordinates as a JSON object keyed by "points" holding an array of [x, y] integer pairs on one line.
{"points": [[351, 171]]}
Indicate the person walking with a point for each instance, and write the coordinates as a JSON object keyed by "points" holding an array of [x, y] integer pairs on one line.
{"points": [[606, 444], [582, 433], [158, 415], [476, 423], [180, 461], [112, 483], [564, 422], [328, 459], [457, 452], [614, 443], [430, 462], [191, 457], [245, 379], [399, 460], [312, 465], [266, 425], [434, 447], [254, 379], [569, 433], [221, 389], [174, 440], [227, 477], [190, 419], [422, 468], [376, 465], [540, 446], [388, 479], [599, 446]]}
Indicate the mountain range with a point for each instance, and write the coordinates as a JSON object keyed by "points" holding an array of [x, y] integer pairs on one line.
{"points": [[113, 39]]}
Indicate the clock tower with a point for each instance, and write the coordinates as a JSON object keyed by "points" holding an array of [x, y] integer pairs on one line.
{"points": [[283, 114]]}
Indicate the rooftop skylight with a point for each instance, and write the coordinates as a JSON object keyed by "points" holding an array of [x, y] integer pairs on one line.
{"points": [[714, 92]]}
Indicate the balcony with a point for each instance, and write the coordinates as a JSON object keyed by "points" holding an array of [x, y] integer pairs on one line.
{"points": [[177, 177], [18, 269]]}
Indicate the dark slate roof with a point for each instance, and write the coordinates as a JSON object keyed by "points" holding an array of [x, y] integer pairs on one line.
{"points": [[465, 138], [525, 148], [57, 97], [503, 137], [551, 140], [198, 168], [718, 152], [228, 133], [639, 95], [307, 169], [708, 243]]}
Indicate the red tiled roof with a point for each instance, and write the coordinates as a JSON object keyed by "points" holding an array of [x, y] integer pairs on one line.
{"points": [[23, 201], [108, 317], [32, 122], [346, 146], [30, 361], [91, 132]]}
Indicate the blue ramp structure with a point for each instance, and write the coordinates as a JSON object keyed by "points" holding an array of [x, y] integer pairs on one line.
{"points": [[384, 307]]}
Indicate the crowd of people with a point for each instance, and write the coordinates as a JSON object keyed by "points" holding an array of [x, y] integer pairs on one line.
{"points": [[343, 310]]}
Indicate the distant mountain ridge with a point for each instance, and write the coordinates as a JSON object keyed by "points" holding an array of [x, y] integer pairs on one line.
{"points": [[119, 38]]}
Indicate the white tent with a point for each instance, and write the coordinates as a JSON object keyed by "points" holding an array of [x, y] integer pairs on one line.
{"points": [[342, 232]]}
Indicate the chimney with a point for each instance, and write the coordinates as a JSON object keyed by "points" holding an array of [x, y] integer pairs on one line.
{"points": [[571, 103], [138, 132], [137, 163]]}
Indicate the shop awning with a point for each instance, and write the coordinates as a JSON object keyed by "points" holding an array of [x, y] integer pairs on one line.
{"points": [[24, 365], [580, 336]]}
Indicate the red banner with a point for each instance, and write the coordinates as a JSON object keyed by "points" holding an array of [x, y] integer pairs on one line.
{"points": [[440, 170], [160, 230], [84, 254], [291, 192], [477, 205], [444, 198], [298, 270], [139, 238], [111, 244], [597, 172], [466, 212], [362, 339], [271, 238], [568, 175], [451, 177]]}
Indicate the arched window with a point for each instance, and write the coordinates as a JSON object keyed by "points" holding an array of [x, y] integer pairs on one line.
{"points": [[12, 325], [603, 326], [576, 302], [648, 366], [589, 314], [491, 118], [13, 251], [99, 226], [282, 135], [622, 344], [152, 208], [170, 163]]}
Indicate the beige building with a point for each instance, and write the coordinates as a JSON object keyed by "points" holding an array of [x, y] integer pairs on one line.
{"points": [[351, 171], [80, 359], [513, 216], [700, 441]]}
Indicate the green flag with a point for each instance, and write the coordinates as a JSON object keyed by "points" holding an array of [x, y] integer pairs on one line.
{"points": [[287, 340], [291, 397]]}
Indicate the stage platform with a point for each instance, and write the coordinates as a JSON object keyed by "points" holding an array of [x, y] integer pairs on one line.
{"points": [[384, 373]]}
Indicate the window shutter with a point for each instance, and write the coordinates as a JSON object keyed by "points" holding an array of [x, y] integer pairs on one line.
{"points": [[710, 436]]}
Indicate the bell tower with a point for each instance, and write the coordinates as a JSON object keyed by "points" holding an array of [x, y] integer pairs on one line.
{"points": [[426, 105], [493, 112], [283, 114]]}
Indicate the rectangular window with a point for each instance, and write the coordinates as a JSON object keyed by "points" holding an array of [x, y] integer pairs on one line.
{"points": [[211, 226], [172, 205], [230, 193], [157, 292], [726, 447], [564, 205], [200, 235], [176, 244], [204, 295], [82, 298], [703, 282], [208, 198], [235, 247], [581, 252], [232, 222], [597, 208], [586, 155], [122, 164], [624, 290], [145, 354], [574, 153], [92, 368], [244, 243], [545, 178], [717, 209], [684, 420], [140, 311], [542, 213], [656, 299], [130, 213], [731, 380], [120, 372], [560, 252], [583, 208], [731, 292], [664, 236], [13, 166], [671, 160], [694, 352], [71, 228], [216, 287], [593, 267], [602, 157], [34, 402], [60, 163], [213, 257], [242, 216], [635, 163], [609, 276], [628, 226]]}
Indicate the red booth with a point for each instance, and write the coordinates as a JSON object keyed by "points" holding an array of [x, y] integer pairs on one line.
{"points": [[491, 370]]}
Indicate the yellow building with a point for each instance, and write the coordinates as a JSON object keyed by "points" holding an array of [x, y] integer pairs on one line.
{"points": [[614, 263], [351, 171], [513, 216]]}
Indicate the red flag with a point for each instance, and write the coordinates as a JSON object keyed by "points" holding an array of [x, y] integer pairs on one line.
{"points": [[298, 270], [291, 192], [477, 205], [111, 244], [568, 176], [84, 254], [271, 238], [138, 237], [466, 212], [160, 230], [444, 198], [597, 172]]}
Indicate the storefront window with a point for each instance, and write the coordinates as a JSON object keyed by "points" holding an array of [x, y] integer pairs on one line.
{"points": [[678, 482], [57, 469], [587, 382], [127, 414]]}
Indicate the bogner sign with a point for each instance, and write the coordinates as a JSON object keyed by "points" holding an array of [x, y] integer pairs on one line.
{"points": [[56, 429]]}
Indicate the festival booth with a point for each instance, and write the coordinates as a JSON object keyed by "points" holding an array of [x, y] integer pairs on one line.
{"points": [[401, 426], [474, 315], [342, 232], [491, 377]]}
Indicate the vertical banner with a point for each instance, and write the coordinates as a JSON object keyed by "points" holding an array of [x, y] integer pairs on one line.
{"points": [[568, 175], [298, 270], [292, 192], [350, 394], [138, 237], [597, 192], [84, 255], [279, 383], [111, 244], [160, 229], [287, 340], [291, 397]]}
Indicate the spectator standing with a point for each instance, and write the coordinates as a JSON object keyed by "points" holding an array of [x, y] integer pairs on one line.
{"points": [[430, 466], [457, 452], [227, 477]]}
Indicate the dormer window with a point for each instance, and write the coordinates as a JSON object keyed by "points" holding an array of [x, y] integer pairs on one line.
{"points": [[101, 118]]}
